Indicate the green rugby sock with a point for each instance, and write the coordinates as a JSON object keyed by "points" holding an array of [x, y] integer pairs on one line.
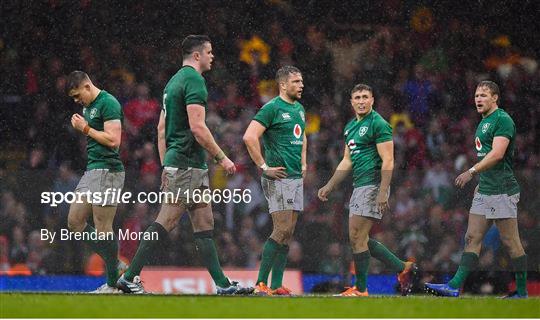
{"points": [[269, 252], [108, 251], [278, 268], [469, 261], [110, 256], [520, 269], [381, 253], [207, 251], [361, 266], [92, 243], [145, 251]]}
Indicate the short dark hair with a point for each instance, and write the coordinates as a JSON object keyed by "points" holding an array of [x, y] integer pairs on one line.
{"points": [[361, 87], [193, 43], [492, 86], [283, 73], [75, 79]]}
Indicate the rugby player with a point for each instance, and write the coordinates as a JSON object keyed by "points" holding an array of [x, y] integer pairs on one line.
{"points": [[369, 153], [280, 123], [495, 197], [101, 123], [183, 138]]}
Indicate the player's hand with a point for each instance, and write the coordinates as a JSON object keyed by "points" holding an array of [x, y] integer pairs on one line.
{"points": [[382, 202], [463, 178], [276, 172], [228, 165], [164, 180], [78, 122], [324, 192]]}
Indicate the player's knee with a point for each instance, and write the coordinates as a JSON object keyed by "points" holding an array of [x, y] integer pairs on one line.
{"points": [[201, 225], [352, 238], [358, 246], [277, 237], [281, 236], [287, 236], [288, 233], [512, 245], [169, 223], [76, 224], [356, 237], [102, 224], [506, 241], [473, 239]]}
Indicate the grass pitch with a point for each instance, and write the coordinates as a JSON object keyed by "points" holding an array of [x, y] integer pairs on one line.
{"points": [[31, 305]]}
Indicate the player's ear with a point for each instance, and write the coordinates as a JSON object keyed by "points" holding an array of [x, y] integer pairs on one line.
{"points": [[495, 97], [196, 55]]}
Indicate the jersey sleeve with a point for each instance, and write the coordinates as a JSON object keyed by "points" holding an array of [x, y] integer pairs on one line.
{"points": [[111, 110], [505, 128], [195, 91], [265, 115], [383, 132]]}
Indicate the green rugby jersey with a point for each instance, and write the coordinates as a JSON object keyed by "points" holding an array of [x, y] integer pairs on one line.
{"points": [[186, 87], [500, 178], [361, 138], [104, 108], [284, 135]]}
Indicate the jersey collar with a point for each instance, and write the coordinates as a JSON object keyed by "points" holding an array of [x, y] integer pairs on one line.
{"points": [[288, 103]]}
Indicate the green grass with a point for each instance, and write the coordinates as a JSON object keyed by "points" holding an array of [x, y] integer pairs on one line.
{"points": [[30, 305]]}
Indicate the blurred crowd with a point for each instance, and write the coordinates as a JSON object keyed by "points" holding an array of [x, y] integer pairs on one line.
{"points": [[423, 68]]}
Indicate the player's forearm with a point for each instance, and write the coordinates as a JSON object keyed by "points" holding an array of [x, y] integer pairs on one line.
{"points": [[254, 149], [489, 161], [204, 137], [387, 168], [162, 146], [162, 139], [342, 171], [104, 138]]}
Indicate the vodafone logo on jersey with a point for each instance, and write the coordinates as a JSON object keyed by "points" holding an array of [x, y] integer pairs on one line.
{"points": [[351, 144], [477, 144], [297, 131]]}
